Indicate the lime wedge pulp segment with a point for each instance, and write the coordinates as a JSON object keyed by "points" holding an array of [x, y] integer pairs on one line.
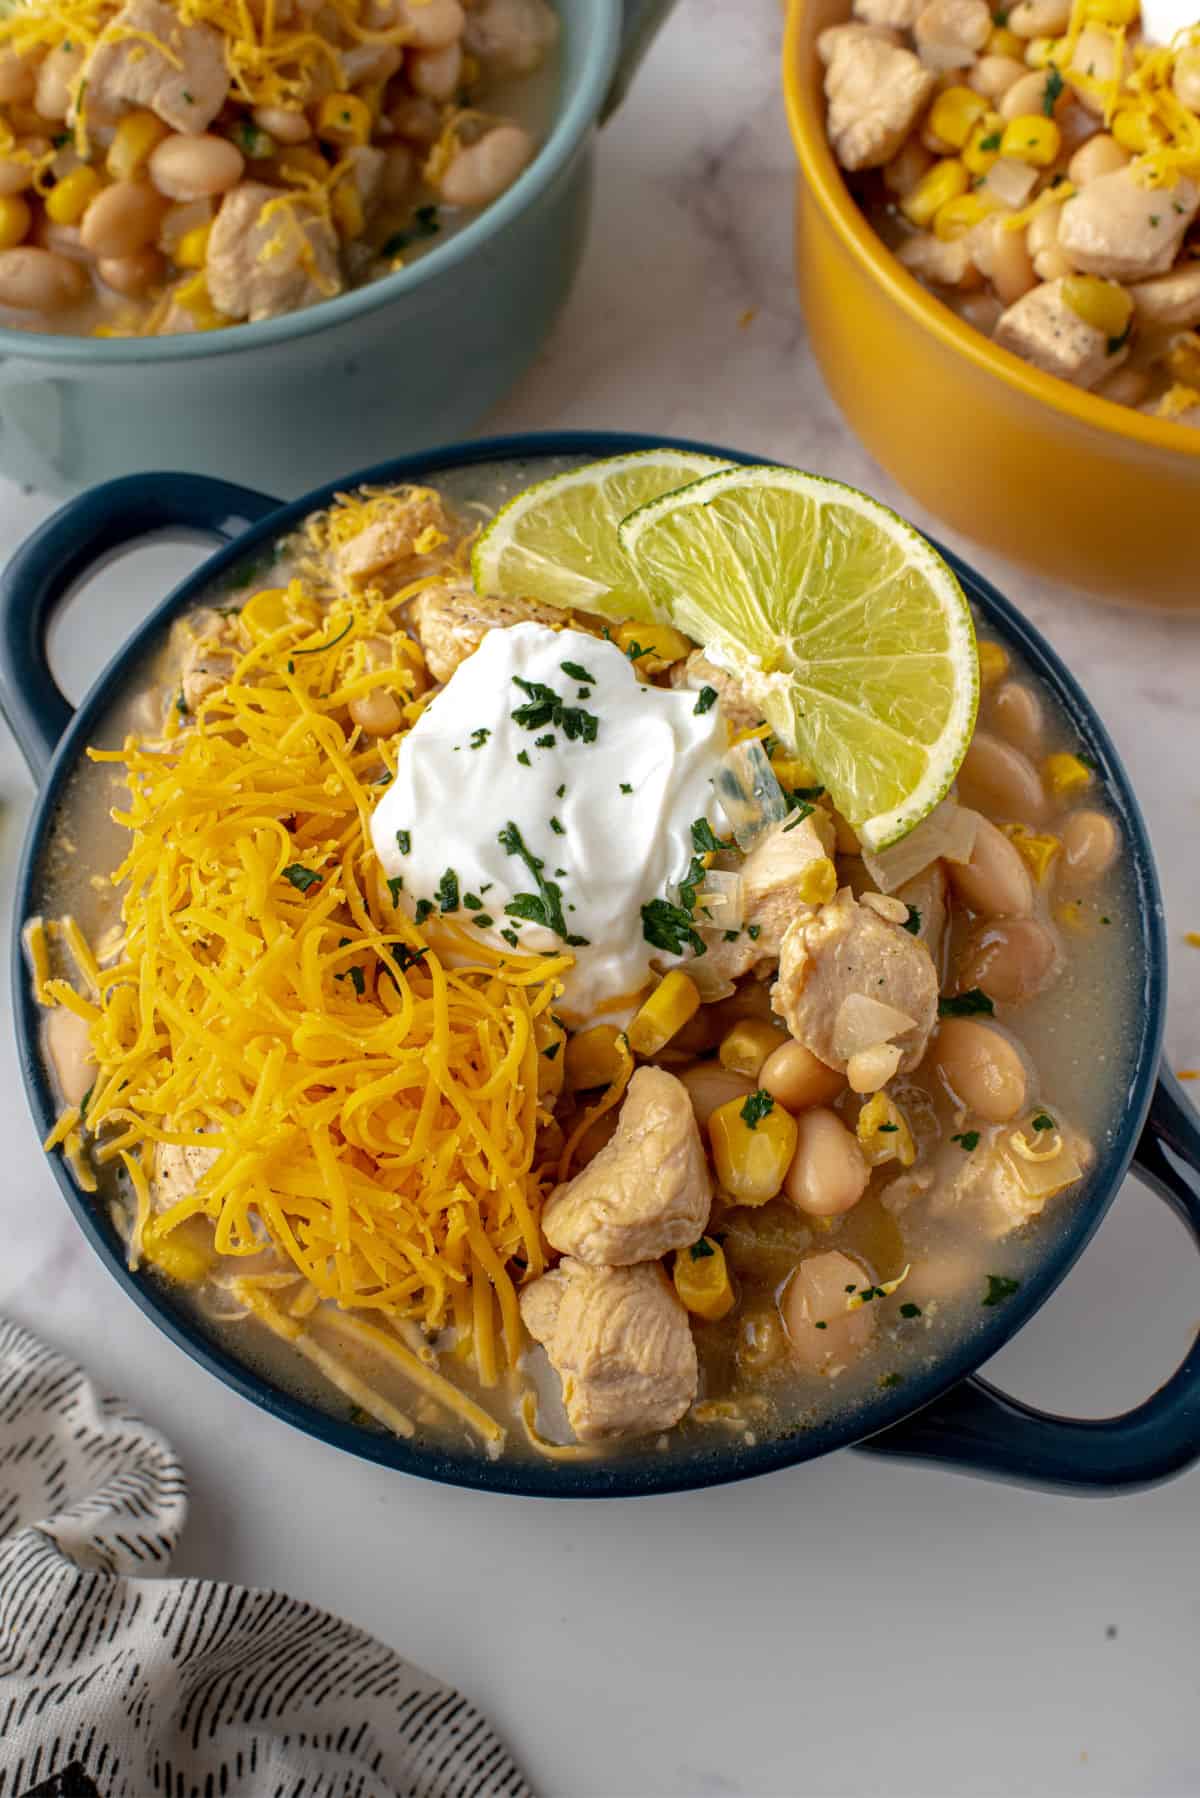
{"points": [[557, 541], [842, 622]]}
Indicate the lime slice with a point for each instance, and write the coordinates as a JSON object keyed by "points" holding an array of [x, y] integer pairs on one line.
{"points": [[846, 627], [557, 541]]}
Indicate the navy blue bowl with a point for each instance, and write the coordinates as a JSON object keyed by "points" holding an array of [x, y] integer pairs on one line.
{"points": [[948, 1415]]}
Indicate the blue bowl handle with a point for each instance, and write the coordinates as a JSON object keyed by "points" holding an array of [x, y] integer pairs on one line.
{"points": [[979, 1430], [75, 542], [640, 21]]}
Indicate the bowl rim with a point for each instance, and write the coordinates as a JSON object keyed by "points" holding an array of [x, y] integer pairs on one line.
{"points": [[705, 1464], [827, 184], [574, 114]]}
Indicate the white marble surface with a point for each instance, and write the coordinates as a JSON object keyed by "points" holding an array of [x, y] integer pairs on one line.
{"points": [[845, 1628]]}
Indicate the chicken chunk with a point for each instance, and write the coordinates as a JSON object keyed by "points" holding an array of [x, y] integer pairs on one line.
{"points": [[946, 264], [1118, 228], [398, 531], [898, 15], [829, 39], [770, 895], [998, 1187], [209, 659], [1170, 301], [619, 1340], [951, 33], [451, 621], [847, 949], [147, 57], [260, 267], [925, 894], [1042, 329], [178, 1171], [876, 94], [739, 711], [510, 37], [647, 1191]]}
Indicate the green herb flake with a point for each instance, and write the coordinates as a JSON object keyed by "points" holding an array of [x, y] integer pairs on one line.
{"points": [[1051, 91], [543, 907], [473, 902], [888, 1129], [705, 701], [385, 779], [404, 841], [511, 938], [318, 648], [1043, 1121], [425, 224], [551, 1050], [969, 1140], [700, 1251], [483, 920], [357, 979], [394, 887], [1118, 343], [302, 878], [86, 1100], [544, 706], [999, 1288], [891, 1379], [181, 704], [446, 892], [635, 652], [971, 1004], [910, 1310], [757, 1106], [804, 810], [558, 827], [577, 671], [754, 931], [625, 787], [670, 927], [990, 142], [913, 921], [524, 760], [424, 907], [705, 841], [479, 737], [559, 791], [820, 1326]]}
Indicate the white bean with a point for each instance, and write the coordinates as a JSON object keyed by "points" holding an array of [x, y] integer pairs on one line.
{"points": [[192, 167], [435, 73], [281, 123], [993, 76], [1101, 155], [133, 274], [710, 1085], [1009, 959], [16, 173], [1090, 843], [56, 77], [431, 24], [1040, 18], [18, 77], [1029, 95], [995, 883], [39, 280], [1018, 716], [482, 171], [821, 1331], [828, 1173], [122, 219], [1128, 387], [795, 1078], [998, 780], [981, 1069], [376, 712]]}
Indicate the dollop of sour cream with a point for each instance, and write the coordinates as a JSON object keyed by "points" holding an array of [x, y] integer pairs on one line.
{"points": [[544, 746]]}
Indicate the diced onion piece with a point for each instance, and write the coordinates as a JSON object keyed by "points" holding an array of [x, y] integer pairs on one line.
{"points": [[721, 898], [1009, 181], [867, 1070], [1042, 1169], [707, 979], [947, 834], [750, 795], [862, 1022]]}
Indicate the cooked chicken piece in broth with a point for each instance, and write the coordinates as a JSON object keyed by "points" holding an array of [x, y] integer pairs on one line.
{"points": [[147, 57], [452, 620]]}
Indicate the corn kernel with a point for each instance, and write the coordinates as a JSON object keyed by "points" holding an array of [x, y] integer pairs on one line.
{"points": [[1031, 138], [957, 217], [348, 213], [883, 1132], [993, 663], [1112, 12], [792, 772], [182, 1254], [1074, 916], [134, 138], [67, 202], [663, 643], [194, 297], [674, 1000], [1003, 42], [982, 148], [1102, 304], [1135, 132], [593, 1058], [192, 249], [817, 883], [1040, 51], [302, 159], [1066, 775], [344, 118], [15, 220], [1183, 359], [751, 1158], [747, 1045], [944, 181], [1037, 852], [954, 113], [702, 1279]]}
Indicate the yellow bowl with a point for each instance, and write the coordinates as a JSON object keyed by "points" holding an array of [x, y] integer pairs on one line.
{"points": [[1075, 487]]}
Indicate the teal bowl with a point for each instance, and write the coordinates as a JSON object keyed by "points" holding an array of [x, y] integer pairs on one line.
{"points": [[409, 361]]}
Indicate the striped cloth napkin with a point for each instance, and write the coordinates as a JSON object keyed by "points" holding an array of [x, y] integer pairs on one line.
{"points": [[119, 1681]]}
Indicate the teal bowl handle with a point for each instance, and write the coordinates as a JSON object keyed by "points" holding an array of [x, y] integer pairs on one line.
{"points": [[980, 1430], [640, 21], [77, 540]]}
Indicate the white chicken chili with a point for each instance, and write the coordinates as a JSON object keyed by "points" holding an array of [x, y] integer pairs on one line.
{"points": [[1036, 167], [801, 1121], [173, 166]]}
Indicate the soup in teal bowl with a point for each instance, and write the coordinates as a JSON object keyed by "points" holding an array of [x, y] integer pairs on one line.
{"points": [[731, 1344]]}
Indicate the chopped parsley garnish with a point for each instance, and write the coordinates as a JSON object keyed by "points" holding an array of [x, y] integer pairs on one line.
{"points": [[756, 1106], [558, 827], [482, 921], [252, 141], [480, 736], [1089, 761], [473, 902], [181, 704], [551, 1050], [302, 878], [394, 887], [577, 671], [872, 1292], [913, 921], [404, 841], [386, 778], [625, 787], [705, 841], [891, 1379], [803, 811], [559, 791], [754, 931], [543, 907], [999, 1288], [524, 760], [425, 224], [1051, 91], [407, 958], [700, 1251], [357, 979], [990, 142], [86, 1100], [1118, 343], [705, 701], [910, 1310], [888, 1129], [731, 936], [1043, 1121], [670, 927], [969, 1140], [318, 647], [511, 938], [546, 742], [807, 792], [544, 706], [635, 652], [971, 1004], [424, 907], [820, 1326], [446, 892]]}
